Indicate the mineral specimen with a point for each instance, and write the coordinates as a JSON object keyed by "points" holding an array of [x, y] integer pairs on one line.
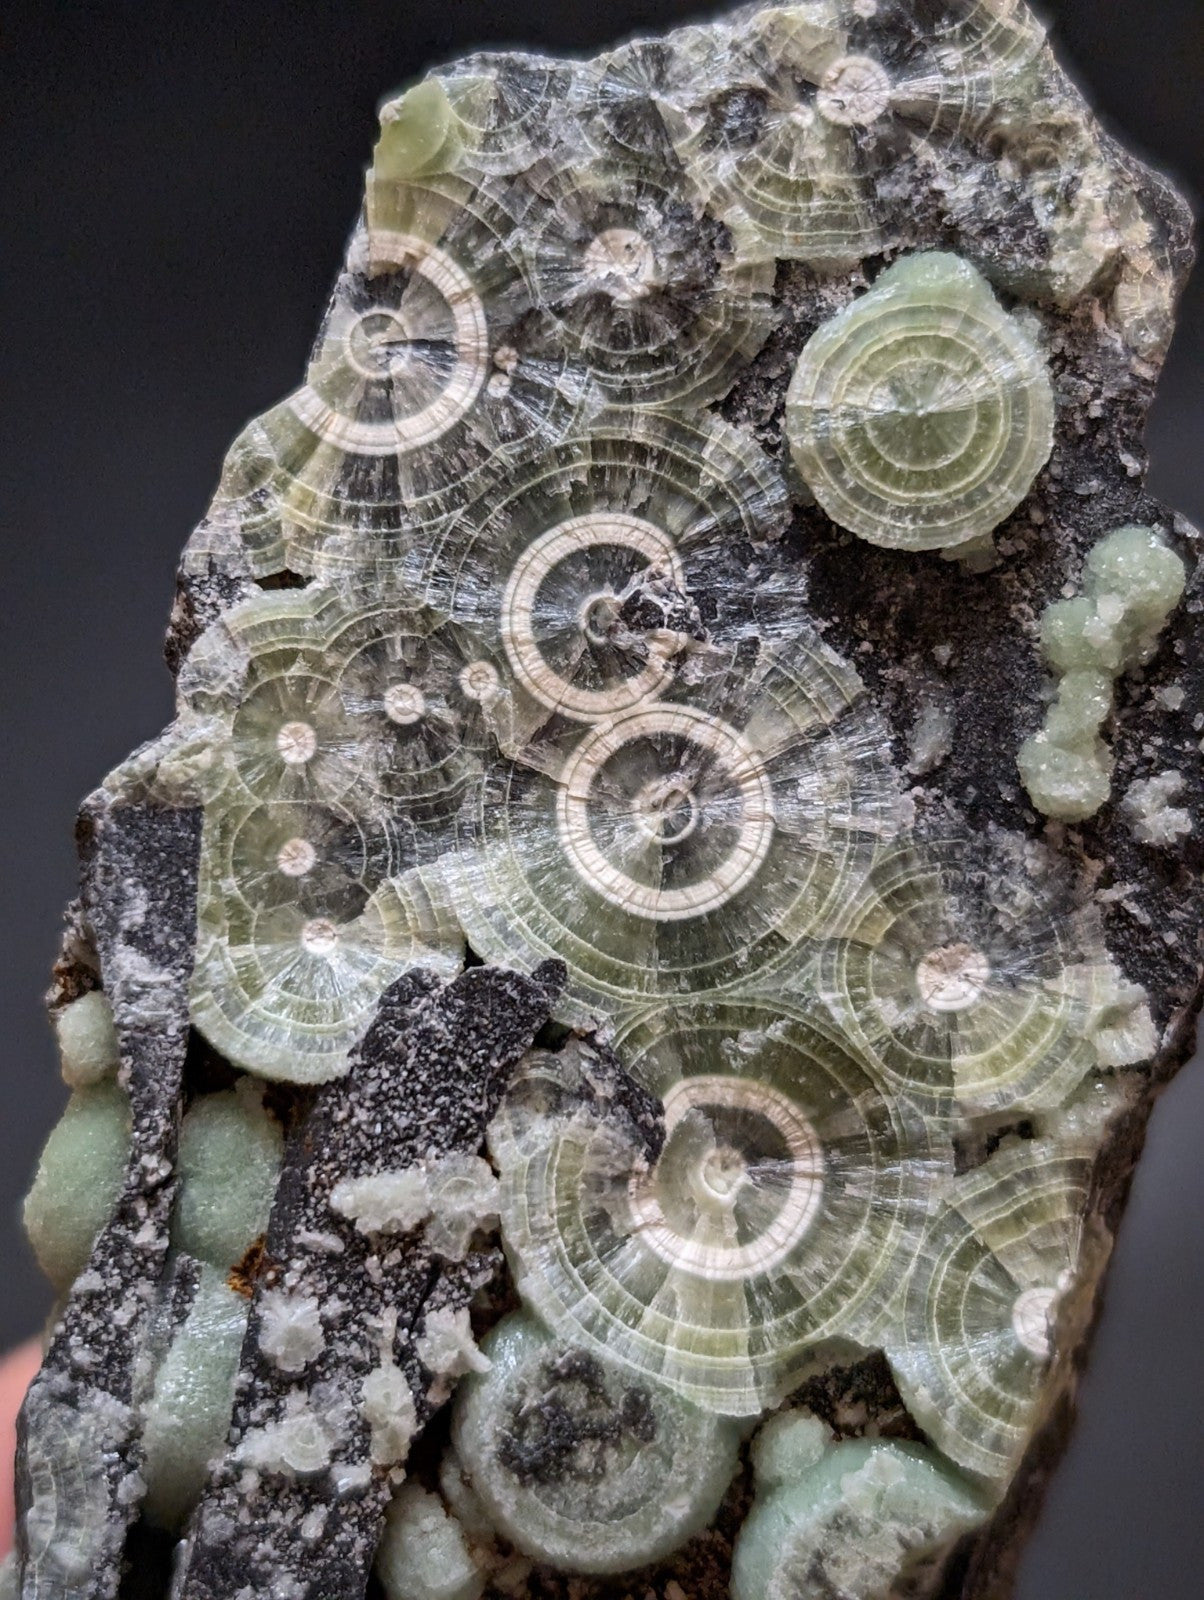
{"points": [[590, 1076]]}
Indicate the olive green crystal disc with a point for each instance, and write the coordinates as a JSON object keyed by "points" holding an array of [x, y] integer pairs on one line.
{"points": [[977, 1335], [784, 1209], [921, 415], [968, 981]]}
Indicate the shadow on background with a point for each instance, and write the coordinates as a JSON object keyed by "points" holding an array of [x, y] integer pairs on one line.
{"points": [[179, 179]]}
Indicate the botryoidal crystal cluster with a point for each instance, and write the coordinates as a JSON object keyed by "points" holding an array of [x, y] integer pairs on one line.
{"points": [[608, 1039]]}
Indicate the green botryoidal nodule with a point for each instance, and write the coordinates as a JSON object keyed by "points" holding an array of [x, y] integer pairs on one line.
{"points": [[921, 415]]}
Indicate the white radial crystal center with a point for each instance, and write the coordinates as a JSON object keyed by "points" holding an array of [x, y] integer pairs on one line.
{"points": [[479, 681], [621, 262], [404, 703], [952, 977], [855, 92], [723, 1174], [379, 343], [297, 743], [319, 936], [597, 529], [665, 809], [598, 616], [1031, 1318], [747, 812], [378, 347], [296, 857]]}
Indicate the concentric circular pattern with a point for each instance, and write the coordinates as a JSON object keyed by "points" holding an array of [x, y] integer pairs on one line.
{"points": [[790, 186], [810, 109], [615, 102], [679, 847], [562, 622], [68, 1493], [578, 1464], [403, 355], [635, 494], [304, 920], [424, 373], [953, 78], [641, 288], [508, 111], [635, 796], [315, 695], [962, 982], [921, 416], [784, 1210], [971, 1350], [410, 684]]}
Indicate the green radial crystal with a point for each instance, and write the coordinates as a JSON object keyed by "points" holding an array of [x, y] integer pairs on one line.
{"points": [[978, 1331], [783, 1211], [580, 1463], [921, 416]]}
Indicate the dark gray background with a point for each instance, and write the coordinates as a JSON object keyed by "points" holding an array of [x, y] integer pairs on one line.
{"points": [[177, 182]]}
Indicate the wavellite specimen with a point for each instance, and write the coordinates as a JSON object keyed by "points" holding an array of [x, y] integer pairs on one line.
{"points": [[607, 1040]]}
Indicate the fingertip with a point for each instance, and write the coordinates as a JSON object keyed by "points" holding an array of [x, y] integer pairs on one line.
{"points": [[16, 1373]]}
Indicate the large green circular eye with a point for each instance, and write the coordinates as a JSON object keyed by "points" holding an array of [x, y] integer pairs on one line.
{"points": [[976, 1335], [783, 1210], [921, 416], [581, 1463], [968, 980], [304, 921]]}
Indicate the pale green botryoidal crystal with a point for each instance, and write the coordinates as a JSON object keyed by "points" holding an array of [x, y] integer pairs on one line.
{"points": [[87, 1040], [78, 1180], [423, 1554], [187, 1416], [578, 1462], [851, 1524], [921, 415], [230, 1151], [1132, 581]]}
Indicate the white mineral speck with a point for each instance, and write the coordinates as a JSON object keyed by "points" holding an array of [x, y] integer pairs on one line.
{"points": [[447, 1347], [385, 1202], [388, 1409], [1151, 817], [290, 1329], [298, 1445]]}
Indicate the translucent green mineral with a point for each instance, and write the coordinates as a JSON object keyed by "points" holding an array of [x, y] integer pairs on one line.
{"points": [[87, 1040], [78, 1180], [1132, 581], [579, 1464], [188, 1414], [418, 133], [423, 1554], [848, 1525], [230, 1151], [921, 415]]}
